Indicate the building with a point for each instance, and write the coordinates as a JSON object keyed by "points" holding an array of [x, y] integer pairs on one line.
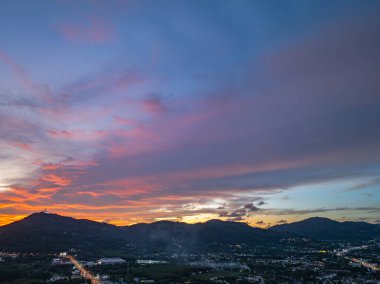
{"points": [[354, 264], [89, 263], [113, 260], [60, 261]]}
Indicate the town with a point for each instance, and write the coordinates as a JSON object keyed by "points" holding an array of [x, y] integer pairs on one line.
{"points": [[313, 262]]}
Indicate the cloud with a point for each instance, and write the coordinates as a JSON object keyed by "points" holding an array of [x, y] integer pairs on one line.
{"points": [[302, 114], [236, 213], [321, 210], [40, 91], [240, 213], [251, 207], [55, 179], [235, 219], [269, 137], [101, 84], [154, 104], [372, 182], [90, 29]]}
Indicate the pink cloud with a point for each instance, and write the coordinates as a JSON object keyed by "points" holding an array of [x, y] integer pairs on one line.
{"points": [[41, 91], [154, 105], [294, 121], [93, 29], [78, 134], [22, 145]]}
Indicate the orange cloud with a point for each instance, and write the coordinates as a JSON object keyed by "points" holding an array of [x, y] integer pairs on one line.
{"points": [[56, 179]]}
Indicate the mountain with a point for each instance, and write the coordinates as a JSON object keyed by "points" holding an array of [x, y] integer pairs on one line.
{"points": [[42, 232], [209, 235], [326, 229]]}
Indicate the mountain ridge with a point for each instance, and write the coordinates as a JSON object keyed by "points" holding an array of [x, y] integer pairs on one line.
{"points": [[46, 232], [43, 213], [52, 232], [325, 229]]}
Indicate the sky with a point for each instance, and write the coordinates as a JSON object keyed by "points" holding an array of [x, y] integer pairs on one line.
{"points": [[263, 112]]}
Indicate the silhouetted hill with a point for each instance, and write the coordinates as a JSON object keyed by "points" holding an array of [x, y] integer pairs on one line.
{"points": [[162, 235], [42, 232], [225, 231], [51, 232], [209, 235], [326, 229]]}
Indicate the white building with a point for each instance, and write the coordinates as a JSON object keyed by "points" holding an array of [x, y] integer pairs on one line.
{"points": [[89, 263], [113, 260]]}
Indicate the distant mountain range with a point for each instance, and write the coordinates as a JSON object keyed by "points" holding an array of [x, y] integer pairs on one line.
{"points": [[42, 232], [318, 228]]}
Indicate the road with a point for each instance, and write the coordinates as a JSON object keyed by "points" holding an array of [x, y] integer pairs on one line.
{"points": [[364, 264], [83, 271], [343, 253]]}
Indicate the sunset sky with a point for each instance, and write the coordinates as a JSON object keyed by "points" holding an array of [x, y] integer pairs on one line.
{"points": [[136, 111]]}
